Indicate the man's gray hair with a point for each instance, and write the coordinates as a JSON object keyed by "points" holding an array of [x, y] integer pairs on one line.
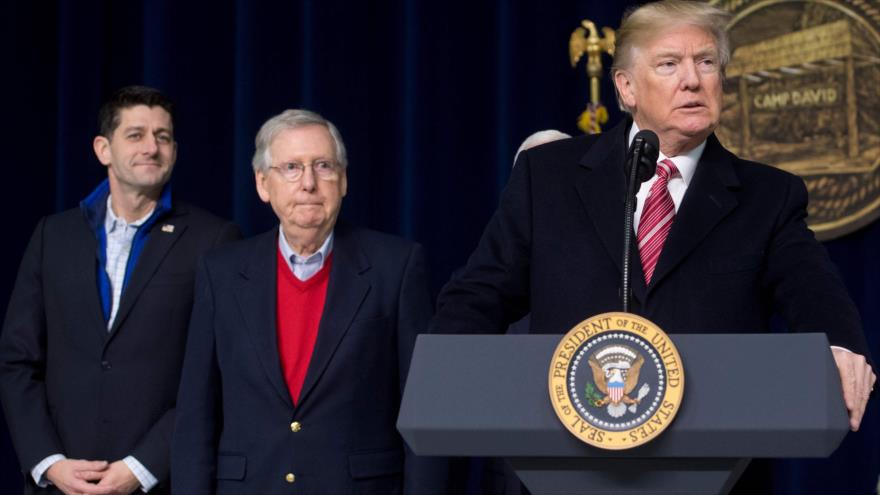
{"points": [[538, 138], [643, 24], [292, 119]]}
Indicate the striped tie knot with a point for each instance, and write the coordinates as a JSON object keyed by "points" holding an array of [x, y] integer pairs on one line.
{"points": [[667, 170]]}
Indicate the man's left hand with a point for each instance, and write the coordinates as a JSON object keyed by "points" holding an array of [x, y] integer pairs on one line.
{"points": [[117, 477], [857, 380]]}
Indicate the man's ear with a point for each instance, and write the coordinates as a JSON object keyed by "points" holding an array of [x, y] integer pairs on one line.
{"points": [[260, 179], [174, 153], [344, 184], [101, 145], [625, 88]]}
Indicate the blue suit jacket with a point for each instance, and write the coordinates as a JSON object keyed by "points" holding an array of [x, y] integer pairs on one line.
{"points": [[739, 251], [233, 432]]}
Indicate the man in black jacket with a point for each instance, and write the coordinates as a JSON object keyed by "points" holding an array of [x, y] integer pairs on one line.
{"points": [[722, 242], [93, 340], [301, 339]]}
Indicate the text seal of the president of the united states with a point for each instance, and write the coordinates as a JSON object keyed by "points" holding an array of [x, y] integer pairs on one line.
{"points": [[616, 381]]}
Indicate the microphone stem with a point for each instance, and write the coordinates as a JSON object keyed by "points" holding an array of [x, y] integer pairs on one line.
{"points": [[629, 212]]}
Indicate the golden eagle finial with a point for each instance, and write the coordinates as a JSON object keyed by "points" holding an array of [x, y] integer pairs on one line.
{"points": [[585, 39]]}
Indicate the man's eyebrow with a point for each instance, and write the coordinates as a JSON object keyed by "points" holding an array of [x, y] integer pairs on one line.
{"points": [[143, 128], [677, 53], [667, 52], [709, 50]]}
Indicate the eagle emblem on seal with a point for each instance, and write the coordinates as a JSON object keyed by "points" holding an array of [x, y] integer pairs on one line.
{"points": [[616, 374]]}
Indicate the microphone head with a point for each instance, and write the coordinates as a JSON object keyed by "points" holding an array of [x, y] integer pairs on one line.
{"points": [[650, 138], [647, 145]]}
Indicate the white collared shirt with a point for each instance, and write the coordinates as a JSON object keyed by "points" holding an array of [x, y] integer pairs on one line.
{"points": [[306, 267], [686, 165]]}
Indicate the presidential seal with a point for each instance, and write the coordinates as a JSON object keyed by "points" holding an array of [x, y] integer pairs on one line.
{"points": [[616, 381]]}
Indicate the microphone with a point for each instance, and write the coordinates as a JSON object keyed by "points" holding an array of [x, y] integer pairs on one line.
{"points": [[641, 163], [643, 153]]}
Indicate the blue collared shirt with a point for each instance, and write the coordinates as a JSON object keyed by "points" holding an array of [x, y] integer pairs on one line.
{"points": [[304, 267]]}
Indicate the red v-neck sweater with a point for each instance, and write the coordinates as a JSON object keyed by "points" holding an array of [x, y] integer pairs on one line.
{"points": [[298, 313]]}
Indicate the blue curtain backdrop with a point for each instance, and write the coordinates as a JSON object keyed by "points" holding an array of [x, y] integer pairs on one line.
{"points": [[433, 98]]}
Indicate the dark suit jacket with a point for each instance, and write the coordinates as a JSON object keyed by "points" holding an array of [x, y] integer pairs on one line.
{"points": [[67, 384], [234, 418], [738, 251]]}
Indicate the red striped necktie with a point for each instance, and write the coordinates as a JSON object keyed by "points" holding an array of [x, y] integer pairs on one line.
{"points": [[656, 220]]}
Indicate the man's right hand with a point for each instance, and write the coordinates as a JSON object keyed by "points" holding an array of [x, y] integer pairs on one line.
{"points": [[62, 474]]}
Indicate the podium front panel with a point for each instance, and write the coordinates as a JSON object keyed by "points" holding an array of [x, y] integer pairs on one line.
{"points": [[746, 395]]}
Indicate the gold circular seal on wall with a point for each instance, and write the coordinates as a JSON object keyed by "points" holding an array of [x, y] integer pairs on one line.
{"points": [[616, 381], [801, 94]]}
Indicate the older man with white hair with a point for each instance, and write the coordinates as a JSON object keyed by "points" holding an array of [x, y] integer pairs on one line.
{"points": [[723, 243], [300, 340]]}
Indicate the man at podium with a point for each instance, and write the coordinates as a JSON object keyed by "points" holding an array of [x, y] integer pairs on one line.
{"points": [[722, 242]]}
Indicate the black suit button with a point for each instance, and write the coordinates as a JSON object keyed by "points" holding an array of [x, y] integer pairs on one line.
{"points": [[105, 365]]}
